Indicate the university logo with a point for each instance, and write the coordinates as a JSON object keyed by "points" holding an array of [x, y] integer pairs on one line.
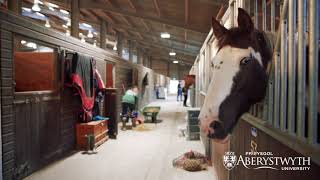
{"points": [[229, 160], [266, 160]]}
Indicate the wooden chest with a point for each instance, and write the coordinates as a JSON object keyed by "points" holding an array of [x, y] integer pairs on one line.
{"points": [[98, 129]]}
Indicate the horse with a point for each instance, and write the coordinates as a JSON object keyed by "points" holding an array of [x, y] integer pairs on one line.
{"points": [[239, 77]]}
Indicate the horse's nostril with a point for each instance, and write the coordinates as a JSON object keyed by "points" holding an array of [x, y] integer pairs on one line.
{"points": [[215, 125]]}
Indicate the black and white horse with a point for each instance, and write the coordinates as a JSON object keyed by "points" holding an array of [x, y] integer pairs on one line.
{"points": [[239, 76]]}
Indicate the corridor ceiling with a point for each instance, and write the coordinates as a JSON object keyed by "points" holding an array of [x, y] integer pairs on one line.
{"points": [[187, 21]]}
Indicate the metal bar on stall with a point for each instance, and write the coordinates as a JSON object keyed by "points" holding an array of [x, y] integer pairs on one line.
{"points": [[256, 14], [291, 67], [264, 15], [231, 9], [273, 16], [313, 71], [270, 96], [284, 75], [276, 83], [301, 70]]}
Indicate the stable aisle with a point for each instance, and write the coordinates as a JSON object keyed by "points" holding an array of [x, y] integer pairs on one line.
{"points": [[135, 155]]}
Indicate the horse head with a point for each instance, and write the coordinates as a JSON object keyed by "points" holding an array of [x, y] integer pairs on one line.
{"points": [[239, 76]]}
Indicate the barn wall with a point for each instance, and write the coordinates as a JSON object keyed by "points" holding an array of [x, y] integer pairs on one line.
{"points": [[12, 25], [123, 82], [160, 66]]}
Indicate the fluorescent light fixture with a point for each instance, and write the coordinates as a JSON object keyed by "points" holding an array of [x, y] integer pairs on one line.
{"points": [[87, 25], [69, 22], [52, 5], [36, 7], [40, 2], [165, 35], [175, 62], [31, 45], [23, 42], [172, 53], [65, 26], [40, 14], [26, 9], [65, 18], [64, 11], [115, 48], [47, 24], [90, 35], [68, 33], [51, 8]]}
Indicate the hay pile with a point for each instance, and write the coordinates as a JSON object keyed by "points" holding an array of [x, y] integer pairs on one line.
{"points": [[191, 161], [142, 127]]}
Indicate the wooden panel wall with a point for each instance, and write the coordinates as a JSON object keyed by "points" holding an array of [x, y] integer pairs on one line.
{"points": [[7, 120], [11, 25]]}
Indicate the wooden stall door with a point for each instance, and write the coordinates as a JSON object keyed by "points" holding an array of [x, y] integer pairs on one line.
{"points": [[37, 130]]}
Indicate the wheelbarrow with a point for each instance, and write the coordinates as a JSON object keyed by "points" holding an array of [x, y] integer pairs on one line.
{"points": [[151, 111]]}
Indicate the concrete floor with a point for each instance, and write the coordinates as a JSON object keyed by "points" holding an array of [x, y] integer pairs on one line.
{"points": [[134, 155]]}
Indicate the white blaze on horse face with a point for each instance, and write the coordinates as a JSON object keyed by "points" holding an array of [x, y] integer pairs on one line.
{"points": [[227, 65]]}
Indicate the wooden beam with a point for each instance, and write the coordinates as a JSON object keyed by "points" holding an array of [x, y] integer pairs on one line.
{"points": [[145, 25], [125, 20], [132, 6], [98, 5], [103, 34], [15, 6], [186, 11], [156, 6], [185, 38], [75, 17]]}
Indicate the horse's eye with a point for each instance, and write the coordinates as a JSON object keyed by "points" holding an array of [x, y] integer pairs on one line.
{"points": [[245, 61]]}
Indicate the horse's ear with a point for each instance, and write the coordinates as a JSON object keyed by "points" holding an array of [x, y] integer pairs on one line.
{"points": [[244, 21], [218, 29]]}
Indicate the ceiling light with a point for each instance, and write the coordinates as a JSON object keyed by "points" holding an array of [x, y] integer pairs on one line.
{"points": [[47, 24], [36, 7], [23, 42], [65, 26], [165, 35], [52, 5], [69, 22], [26, 9], [172, 53], [31, 45], [68, 33], [87, 25], [64, 11], [175, 62], [40, 14], [65, 18], [51, 8], [90, 35], [115, 48]]}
